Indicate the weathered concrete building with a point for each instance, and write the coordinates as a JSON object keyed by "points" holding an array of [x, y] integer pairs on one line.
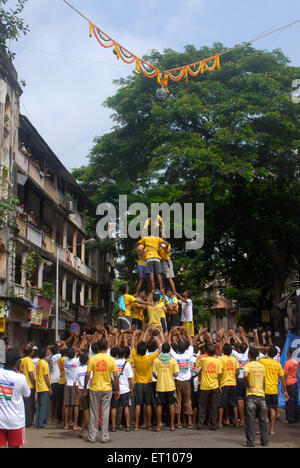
{"points": [[49, 232]]}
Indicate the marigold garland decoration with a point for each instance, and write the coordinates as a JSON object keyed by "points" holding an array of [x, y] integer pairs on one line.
{"points": [[148, 70]]}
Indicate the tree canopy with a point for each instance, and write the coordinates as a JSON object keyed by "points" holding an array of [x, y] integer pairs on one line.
{"points": [[229, 139], [12, 26]]}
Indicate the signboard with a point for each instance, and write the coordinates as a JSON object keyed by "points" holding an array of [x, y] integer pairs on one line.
{"points": [[2, 305], [36, 317], [74, 328], [2, 351], [83, 313], [45, 306], [2, 325]]}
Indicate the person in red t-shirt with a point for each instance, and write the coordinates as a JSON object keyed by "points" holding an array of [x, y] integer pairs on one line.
{"points": [[290, 376]]}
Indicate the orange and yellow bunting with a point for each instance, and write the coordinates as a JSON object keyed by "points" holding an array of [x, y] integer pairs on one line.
{"points": [[150, 71]]}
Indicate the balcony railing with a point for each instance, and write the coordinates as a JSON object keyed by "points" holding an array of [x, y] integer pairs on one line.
{"points": [[28, 167]]}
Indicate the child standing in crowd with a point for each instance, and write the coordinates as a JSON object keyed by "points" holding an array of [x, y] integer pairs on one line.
{"points": [[43, 390]]}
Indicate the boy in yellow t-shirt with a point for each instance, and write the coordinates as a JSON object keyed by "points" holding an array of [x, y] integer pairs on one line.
{"points": [[153, 269], [102, 366], [210, 388], [164, 369], [27, 368], [230, 372], [274, 373], [156, 311], [143, 390], [254, 375], [43, 390]]}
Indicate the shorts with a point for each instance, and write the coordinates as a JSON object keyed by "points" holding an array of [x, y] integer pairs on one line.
{"points": [[138, 324], [143, 394], [175, 320], [165, 398], [272, 401], [55, 392], [167, 268], [189, 326], [84, 401], [228, 397], [124, 322], [240, 389], [71, 397], [123, 402], [153, 266], [12, 437], [141, 272], [164, 325]]}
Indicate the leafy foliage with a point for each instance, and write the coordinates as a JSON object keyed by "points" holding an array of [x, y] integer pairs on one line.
{"points": [[11, 25]]}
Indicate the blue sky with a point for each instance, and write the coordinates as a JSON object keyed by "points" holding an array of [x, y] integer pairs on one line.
{"points": [[63, 97]]}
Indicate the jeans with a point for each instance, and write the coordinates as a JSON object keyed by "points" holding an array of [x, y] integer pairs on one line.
{"points": [[43, 410], [97, 398], [291, 406], [256, 406]]}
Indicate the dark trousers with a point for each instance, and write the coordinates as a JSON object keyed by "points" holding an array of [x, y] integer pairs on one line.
{"points": [[29, 408], [43, 410], [208, 408], [291, 406], [256, 407]]}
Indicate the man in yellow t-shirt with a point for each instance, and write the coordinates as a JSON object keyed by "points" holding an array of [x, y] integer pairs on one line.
{"points": [[173, 309], [164, 369], [102, 366], [255, 377], [230, 372], [126, 305], [27, 368], [274, 373], [210, 388], [153, 267], [156, 311], [138, 311], [43, 390], [143, 389]]}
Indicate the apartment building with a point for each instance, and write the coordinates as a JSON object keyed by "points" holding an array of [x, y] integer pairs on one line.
{"points": [[48, 235]]}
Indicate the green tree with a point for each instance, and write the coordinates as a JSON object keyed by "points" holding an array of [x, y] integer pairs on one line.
{"points": [[12, 26], [230, 140]]}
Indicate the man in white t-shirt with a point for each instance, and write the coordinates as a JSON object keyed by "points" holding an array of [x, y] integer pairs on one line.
{"points": [[71, 397], [54, 378], [13, 388], [125, 374], [183, 356], [187, 311]]}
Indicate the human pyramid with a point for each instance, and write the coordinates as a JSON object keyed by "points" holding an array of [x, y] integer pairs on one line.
{"points": [[152, 371]]}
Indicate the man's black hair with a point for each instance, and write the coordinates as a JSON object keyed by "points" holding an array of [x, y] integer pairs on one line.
{"points": [[83, 358], [165, 348], [120, 352], [156, 297], [253, 352], [12, 357], [27, 351], [227, 349], [114, 352], [126, 352], [211, 349], [141, 348], [151, 346], [71, 353], [122, 288], [102, 345], [42, 352], [272, 351], [181, 346]]}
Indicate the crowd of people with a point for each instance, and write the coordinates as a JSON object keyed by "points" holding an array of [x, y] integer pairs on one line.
{"points": [[132, 379], [151, 371]]}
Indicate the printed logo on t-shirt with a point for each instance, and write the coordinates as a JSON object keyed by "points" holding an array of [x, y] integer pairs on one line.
{"points": [[6, 390], [101, 366], [211, 368]]}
